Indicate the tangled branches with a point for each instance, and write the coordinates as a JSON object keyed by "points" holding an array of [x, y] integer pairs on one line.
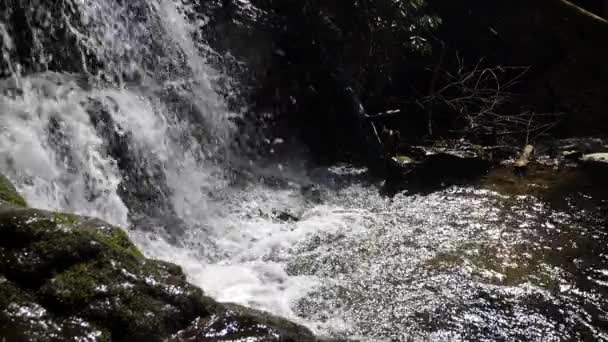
{"points": [[477, 97]]}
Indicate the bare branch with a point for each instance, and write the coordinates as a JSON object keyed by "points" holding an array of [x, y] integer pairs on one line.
{"points": [[479, 94]]}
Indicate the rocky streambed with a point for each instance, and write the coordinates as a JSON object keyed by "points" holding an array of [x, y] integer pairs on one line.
{"points": [[506, 254]]}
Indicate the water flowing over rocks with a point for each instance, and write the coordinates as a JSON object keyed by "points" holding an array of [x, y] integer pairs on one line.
{"points": [[111, 109], [186, 154], [67, 277]]}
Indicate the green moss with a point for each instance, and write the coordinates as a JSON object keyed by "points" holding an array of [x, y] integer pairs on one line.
{"points": [[142, 316], [114, 239], [74, 287], [119, 241], [9, 195], [62, 218]]}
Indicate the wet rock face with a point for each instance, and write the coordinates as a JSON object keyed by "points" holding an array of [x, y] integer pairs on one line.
{"points": [[44, 37], [65, 277], [144, 187], [235, 323], [72, 36]]}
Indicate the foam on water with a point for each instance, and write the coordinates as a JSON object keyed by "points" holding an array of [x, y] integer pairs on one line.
{"points": [[251, 246], [68, 170], [458, 264]]}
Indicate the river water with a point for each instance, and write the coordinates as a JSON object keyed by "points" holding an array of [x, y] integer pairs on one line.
{"points": [[504, 258]]}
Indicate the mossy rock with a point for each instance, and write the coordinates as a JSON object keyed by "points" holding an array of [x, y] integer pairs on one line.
{"points": [[68, 277], [82, 267], [9, 195], [23, 319]]}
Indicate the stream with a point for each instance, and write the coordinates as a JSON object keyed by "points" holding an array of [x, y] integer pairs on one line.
{"points": [[505, 257]]}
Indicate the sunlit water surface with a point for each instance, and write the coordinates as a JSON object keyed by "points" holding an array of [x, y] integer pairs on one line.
{"points": [[463, 263]]}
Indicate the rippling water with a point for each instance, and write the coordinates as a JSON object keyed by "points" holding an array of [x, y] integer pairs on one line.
{"points": [[463, 263]]}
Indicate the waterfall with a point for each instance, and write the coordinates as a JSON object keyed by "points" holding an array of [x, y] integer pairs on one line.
{"points": [[127, 141], [124, 121]]}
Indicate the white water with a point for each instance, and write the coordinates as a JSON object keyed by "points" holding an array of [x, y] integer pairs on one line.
{"points": [[74, 175]]}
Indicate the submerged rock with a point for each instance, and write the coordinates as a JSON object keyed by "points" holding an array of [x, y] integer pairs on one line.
{"points": [[67, 277], [425, 169]]}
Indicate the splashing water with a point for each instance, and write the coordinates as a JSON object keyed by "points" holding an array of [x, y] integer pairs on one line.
{"points": [[65, 170], [136, 133]]}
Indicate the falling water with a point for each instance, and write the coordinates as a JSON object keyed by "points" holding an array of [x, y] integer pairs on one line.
{"points": [[130, 127]]}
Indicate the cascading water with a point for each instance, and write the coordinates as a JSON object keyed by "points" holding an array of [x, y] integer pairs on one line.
{"points": [[136, 134], [126, 124], [98, 147]]}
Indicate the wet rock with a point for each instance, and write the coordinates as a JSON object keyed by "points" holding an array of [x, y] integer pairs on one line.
{"points": [[24, 21], [571, 155], [596, 165], [71, 266], [235, 323], [143, 186], [312, 193], [572, 149], [404, 160], [444, 166], [596, 158], [285, 216], [426, 169], [65, 277], [22, 319]]}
